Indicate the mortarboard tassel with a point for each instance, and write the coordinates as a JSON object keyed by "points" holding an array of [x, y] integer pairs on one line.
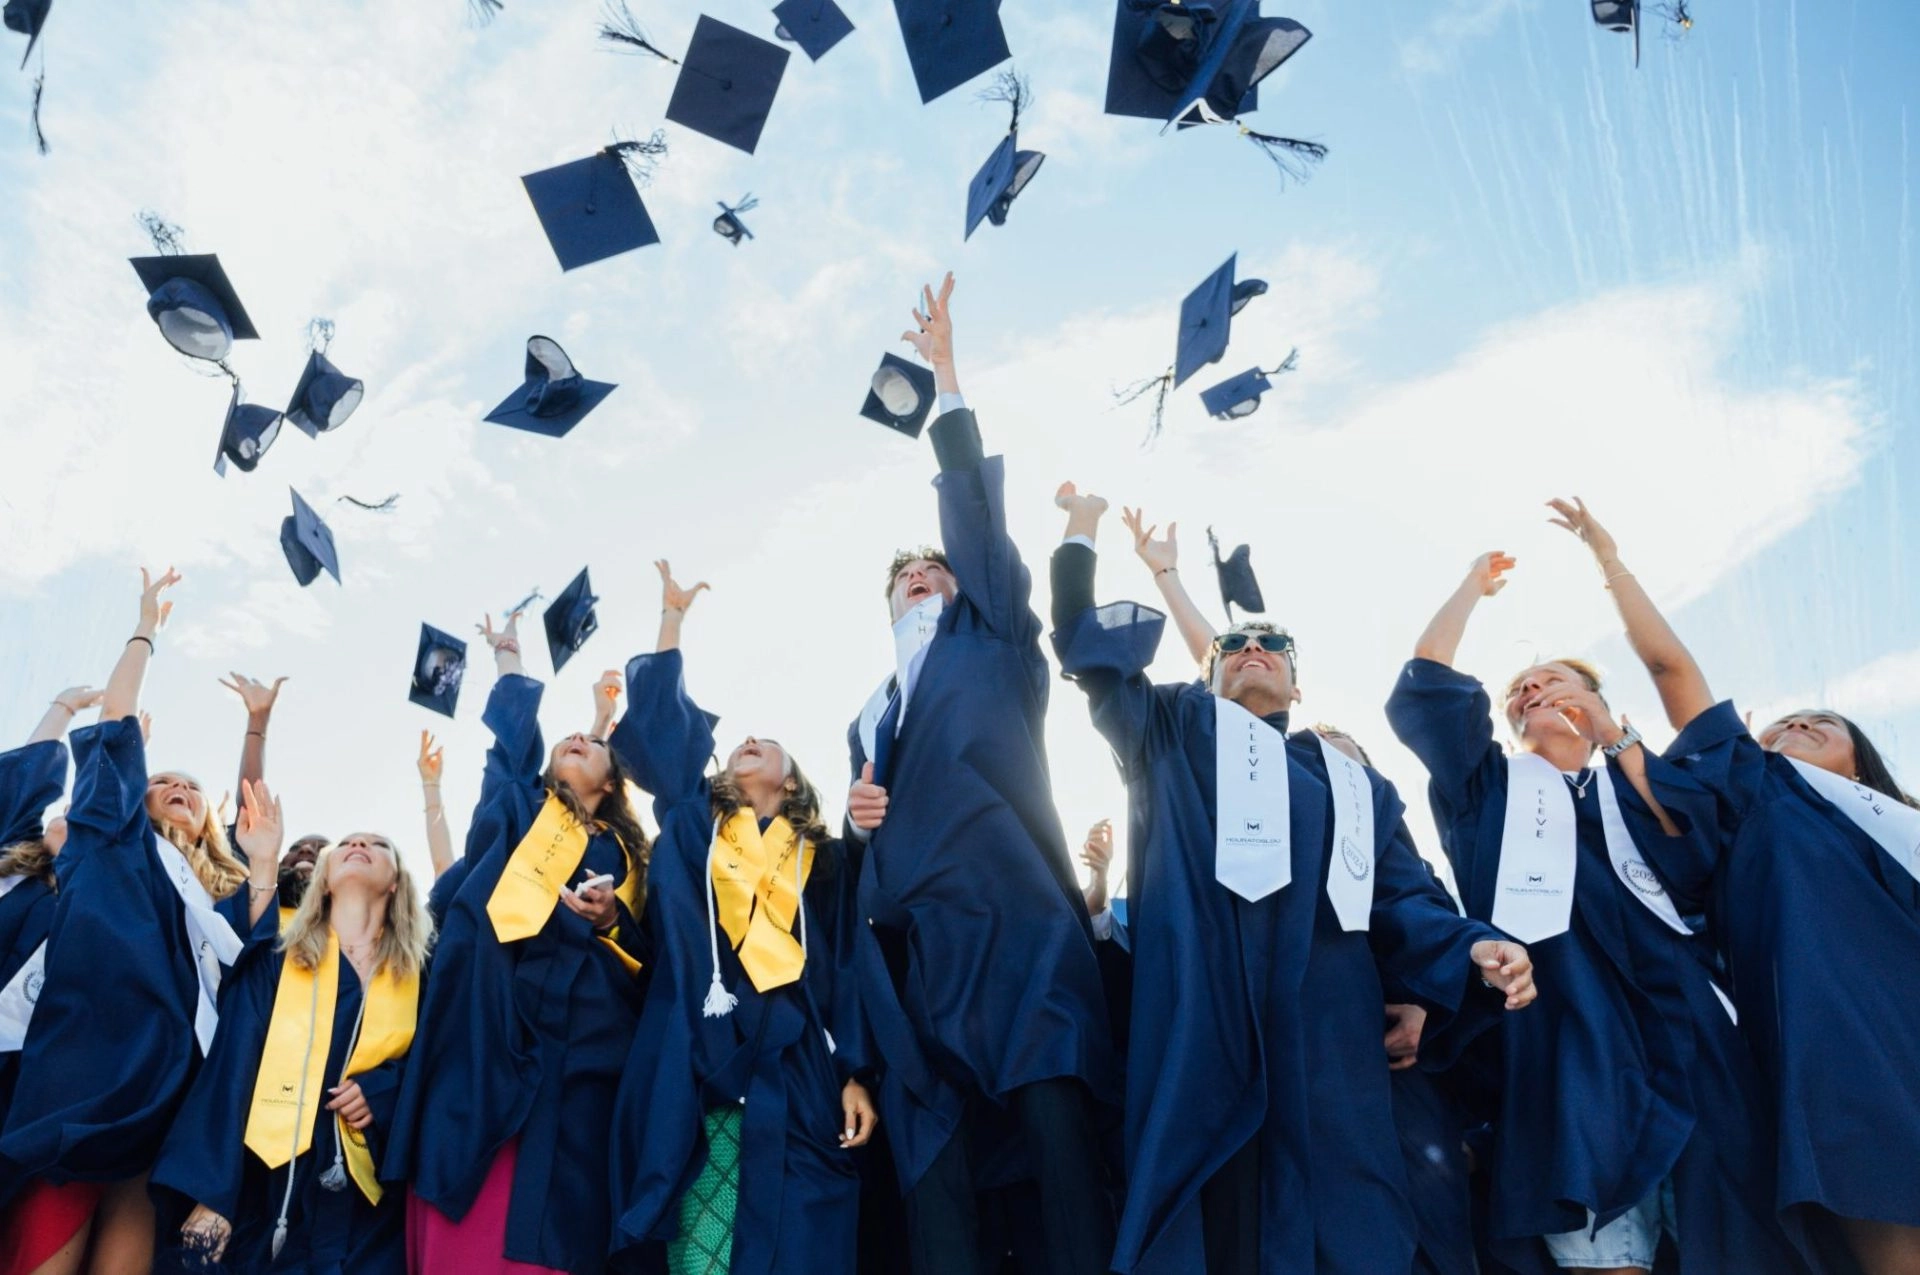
{"points": [[483, 11], [1158, 386], [167, 237], [319, 335], [747, 204], [39, 134], [1288, 364], [618, 26], [1293, 157], [641, 158], [1013, 89], [378, 507]]}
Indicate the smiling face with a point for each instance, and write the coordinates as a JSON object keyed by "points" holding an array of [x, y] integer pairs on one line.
{"points": [[1531, 689], [758, 761], [364, 860], [1819, 739], [583, 764], [175, 801], [301, 856], [917, 580], [1259, 680]]}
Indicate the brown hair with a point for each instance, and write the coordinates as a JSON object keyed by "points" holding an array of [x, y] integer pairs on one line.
{"points": [[32, 859], [1582, 669], [405, 937], [800, 806], [614, 815], [904, 556]]}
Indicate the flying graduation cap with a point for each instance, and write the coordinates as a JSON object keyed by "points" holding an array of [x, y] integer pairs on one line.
{"points": [[27, 17], [727, 81], [950, 41], [1622, 16], [570, 620], [189, 296], [728, 224], [1206, 321], [245, 436], [900, 396], [1240, 395], [439, 663], [308, 543], [324, 396], [554, 397], [1009, 169], [814, 25], [590, 209], [1237, 585]]}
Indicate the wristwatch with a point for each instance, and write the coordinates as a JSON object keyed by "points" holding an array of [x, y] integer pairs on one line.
{"points": [[1623, 743]]}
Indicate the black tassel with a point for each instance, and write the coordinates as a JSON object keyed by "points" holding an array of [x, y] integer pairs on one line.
{"points": [[1678, 14], [482, 11], [378, 507], [319, 334], [1159, 386], [167, 238], [1012, 88], [619, 27], [641, 158], [39, 134], [1293, 157], [747, 204], [1288, 364]]}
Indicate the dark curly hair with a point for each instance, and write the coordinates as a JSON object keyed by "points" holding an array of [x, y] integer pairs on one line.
{"points": [[904, 556], [614, 815]]}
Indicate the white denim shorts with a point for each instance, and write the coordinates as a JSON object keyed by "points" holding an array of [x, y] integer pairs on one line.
{"points": [[1628, 1240]]}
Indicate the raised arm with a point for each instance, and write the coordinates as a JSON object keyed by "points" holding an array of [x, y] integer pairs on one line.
{"points": [[1682, 686], [606, 703], [1162, 558], [259, 699], [439, 837], [260, 833], [512, 713], [665, 740], [1104, 650], [674, 602], [122, 698], [61, 710], [1441, 641]]}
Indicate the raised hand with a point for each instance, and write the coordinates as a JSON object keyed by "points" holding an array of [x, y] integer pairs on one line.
{"points": [[1097, 854], [607, 691], [506, 638], [432, 759], [1159, 555], [932, 333], [146, 728], [1506, 966], [1581, 709], [261, 825], [672, 596], [1067, 496], [257, 696], [1573, 516], [1488, 572], [77, 699], [866, 801], [154, 612]]}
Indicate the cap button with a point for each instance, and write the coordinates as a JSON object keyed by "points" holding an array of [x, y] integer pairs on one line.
{"points": [[726, 86], [946, 19]]}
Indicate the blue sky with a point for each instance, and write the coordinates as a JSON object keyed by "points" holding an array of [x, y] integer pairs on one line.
{"points": [[1686, 292]]}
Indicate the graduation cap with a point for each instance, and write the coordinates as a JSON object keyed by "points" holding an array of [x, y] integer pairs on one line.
{"points": [[727, 83], [194, 304], [324, 396], [308, 543], [554, 397], [1009, 169], [249, 430], [814, 25], [590, 209], [438, 665], [1237, 585], [951, 41], [27, 17], [570, 621], [901, 396], [1622, 16], [1206, 320], [728, 224], [1240, 395]]}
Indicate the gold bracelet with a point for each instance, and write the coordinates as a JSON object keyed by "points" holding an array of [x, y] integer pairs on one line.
{"points": [[1608, 582]]}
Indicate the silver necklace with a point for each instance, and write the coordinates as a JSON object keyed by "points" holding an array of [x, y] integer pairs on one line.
{"points": [[1579, 786]]}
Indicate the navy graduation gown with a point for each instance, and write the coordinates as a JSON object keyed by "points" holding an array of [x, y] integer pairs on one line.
{"points": [[205, 1159], [1626, 1070], [970, 870], [520, 1040], [31, 779], [786, 1053], [1789, 880], [111, 1049], [1259, 1020]]}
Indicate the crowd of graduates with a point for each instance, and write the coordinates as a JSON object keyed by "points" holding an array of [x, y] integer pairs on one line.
{"points": [[1668, 1024]]}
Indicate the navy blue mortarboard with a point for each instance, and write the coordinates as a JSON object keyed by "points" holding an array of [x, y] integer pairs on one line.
{"points": [[324, 397], [1623, 16], [1238, 588], [438, 666], [814, 25], [249, 430], [901, 396], [554, 397], [27, 17], [1240, 395], [308, 543], [951, 41], [590, 208], [1205, 319], [196, 308], [570, 620], [727, 83], [728, 224], [1009, 169], [1244, 291]]}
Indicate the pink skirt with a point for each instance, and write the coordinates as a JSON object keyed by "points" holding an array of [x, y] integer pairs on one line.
{"points": [[41, 1220], [475, 1245]]}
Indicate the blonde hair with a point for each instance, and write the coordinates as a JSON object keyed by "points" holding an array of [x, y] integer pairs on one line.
{"points": [[406, 935], [1582, 669], [220, 870], [32, 859]]}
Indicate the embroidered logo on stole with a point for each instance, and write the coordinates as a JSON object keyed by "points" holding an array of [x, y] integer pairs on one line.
{"points": [[539, 868]]}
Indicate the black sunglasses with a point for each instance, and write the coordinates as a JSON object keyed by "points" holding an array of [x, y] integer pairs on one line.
{"points": [[1273, 642]]}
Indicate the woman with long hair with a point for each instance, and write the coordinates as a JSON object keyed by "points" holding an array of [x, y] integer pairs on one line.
{"points": [[1809, 853], [504, 1119], [738, 1115], [1629, 1102], [154, 906], [278, 1145]]}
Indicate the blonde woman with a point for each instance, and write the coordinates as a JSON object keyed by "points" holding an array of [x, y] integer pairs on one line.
{"points": [[155, 906], [328, 1016]]}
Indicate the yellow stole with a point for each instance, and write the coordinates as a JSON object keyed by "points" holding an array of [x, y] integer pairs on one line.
{"points": [[757, 897], [628, 892], [291, 1081], [540, 867]]}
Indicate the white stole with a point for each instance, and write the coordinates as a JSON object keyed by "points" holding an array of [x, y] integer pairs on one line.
{"points": [[22, 990], [1350, 875], [1894, 824], [1252, 830], [214, 942], [912, 634]]}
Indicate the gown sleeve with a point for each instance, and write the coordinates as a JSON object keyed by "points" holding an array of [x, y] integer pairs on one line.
{"points": [[1106, 650], [31, 779], [664, 741], [973, 529], [513, 715], [1445, 717]]}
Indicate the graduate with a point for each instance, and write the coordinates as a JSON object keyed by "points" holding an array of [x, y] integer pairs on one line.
{"points": [[1271, 883], [1629, 1103], [744, 1097], [1809, 848], [505, 1113], [978, 973], [276, 1149], [154, 906]]}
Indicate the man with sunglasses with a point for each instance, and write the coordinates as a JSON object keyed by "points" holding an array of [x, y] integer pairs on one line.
{"points": [[1272, 889]]}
